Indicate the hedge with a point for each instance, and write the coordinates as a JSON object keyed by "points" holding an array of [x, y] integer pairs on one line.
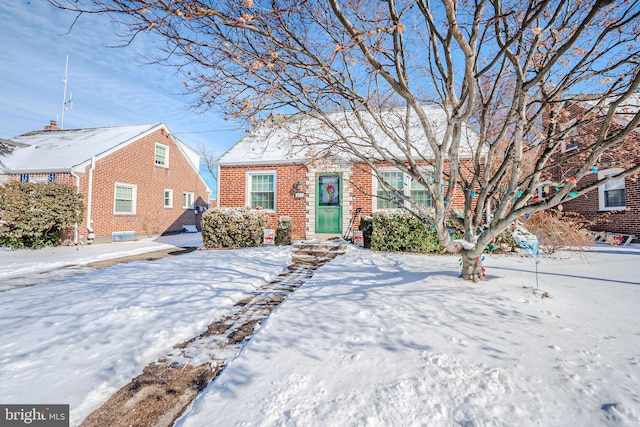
{"points": [[398, 231], [33, 214], [232, 228]]}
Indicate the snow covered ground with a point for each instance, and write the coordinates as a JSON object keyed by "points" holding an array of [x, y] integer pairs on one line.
{"points": [[373, 339]]}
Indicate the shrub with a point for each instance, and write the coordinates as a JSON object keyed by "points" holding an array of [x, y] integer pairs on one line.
{"points": [[398, 231], [366, 226], [285, 229], [556, 230], [232, 228], [34, 214]]}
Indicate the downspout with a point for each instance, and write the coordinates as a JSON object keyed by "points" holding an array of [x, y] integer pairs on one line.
{"points": [[90, 236], [75, 225], [218, 188]]}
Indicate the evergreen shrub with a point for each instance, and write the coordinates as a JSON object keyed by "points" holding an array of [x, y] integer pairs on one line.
{"points": [[366, 226], [398, 231], [232, 228], [32, 215], [284, 231]]}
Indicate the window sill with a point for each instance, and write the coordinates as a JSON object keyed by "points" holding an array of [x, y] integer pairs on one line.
{"points": [[613, 209]]}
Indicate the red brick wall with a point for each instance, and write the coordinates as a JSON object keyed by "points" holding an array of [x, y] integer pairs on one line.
{"points": [[135, 164], [233, 193], [625, 221]]}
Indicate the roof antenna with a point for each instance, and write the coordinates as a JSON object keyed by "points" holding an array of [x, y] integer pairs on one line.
{"points": [[65, 102]]}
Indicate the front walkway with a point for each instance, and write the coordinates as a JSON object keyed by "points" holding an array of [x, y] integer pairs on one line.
{"points": [[167, 386]]}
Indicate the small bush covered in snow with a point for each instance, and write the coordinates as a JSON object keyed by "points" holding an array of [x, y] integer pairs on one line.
{"points": [[232, 228], [285, 229], [34, 214]]}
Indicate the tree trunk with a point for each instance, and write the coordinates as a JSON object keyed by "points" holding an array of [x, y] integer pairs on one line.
{"points": [[472, 268]]}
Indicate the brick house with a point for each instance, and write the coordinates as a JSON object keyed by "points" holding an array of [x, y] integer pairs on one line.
{"points": [[295, 168], [135, 180], [615, 206]]}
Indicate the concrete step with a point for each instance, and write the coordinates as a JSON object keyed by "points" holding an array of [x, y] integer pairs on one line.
{"points": [[313, 247]]}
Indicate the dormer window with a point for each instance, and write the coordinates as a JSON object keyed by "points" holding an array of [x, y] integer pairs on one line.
{"points": [[162, 155]]}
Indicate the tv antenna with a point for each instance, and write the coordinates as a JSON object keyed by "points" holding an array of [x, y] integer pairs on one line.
{"points": [[66, 103]]}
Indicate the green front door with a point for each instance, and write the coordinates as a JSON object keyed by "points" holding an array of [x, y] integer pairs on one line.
{"points": [[328, 204]]}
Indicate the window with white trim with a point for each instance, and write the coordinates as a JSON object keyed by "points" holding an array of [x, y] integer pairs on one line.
{"points": [[124, 198], [168, 198], [611, 195], [387, 199], [187, 199], [261, 187], [401, 183], [162, 155]]}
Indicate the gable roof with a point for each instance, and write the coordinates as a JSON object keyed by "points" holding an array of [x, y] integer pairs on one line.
{"points": [[64, 150], [301, 138]]}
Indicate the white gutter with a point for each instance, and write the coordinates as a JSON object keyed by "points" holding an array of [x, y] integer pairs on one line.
{"points": [[218, 188], [91, 235]]}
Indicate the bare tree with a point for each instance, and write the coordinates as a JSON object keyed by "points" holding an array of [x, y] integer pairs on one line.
{"points": [[510, 70], [208, 160]]}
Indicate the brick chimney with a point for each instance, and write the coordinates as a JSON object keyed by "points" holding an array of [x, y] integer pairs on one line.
{"points": [[52, 126]]}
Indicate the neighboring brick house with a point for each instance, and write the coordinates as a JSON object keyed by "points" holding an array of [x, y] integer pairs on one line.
{"points": [[615, 206], [286, 170], [135, 180]]}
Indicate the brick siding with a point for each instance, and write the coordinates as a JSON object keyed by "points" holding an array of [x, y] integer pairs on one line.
{"points": [[623, 221], [356, 193]]}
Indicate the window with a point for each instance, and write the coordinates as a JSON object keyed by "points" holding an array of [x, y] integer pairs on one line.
{"points": [[404, 183], [168, 198], [386, 199], [125, 199], [162, 155], [420, 194], [611, 195], [187, 200], [262, 190]]}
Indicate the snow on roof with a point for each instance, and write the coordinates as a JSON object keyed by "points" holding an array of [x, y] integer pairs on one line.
{"points": [[300, 138], [625, 112], [61, 150]]}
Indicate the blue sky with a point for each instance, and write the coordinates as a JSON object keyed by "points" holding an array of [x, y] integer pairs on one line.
{"points": [[110, 86]]}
